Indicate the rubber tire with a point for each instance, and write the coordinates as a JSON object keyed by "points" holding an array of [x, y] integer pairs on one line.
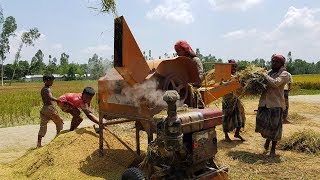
{"points": [[132, 174]]}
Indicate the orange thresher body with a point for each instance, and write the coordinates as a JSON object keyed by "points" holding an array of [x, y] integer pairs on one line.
{"points": [[131, 70]]}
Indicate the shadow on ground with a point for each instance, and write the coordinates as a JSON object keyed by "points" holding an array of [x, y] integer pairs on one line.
{"points": [[226, 144], [111, 165], [251, 158]]}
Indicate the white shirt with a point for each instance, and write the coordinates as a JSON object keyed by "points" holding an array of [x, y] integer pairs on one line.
{"points": [[286, 87]]}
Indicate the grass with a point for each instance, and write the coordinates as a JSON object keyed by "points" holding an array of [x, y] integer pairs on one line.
{"points": [[307, 81], [21, 103], [306, 78]]}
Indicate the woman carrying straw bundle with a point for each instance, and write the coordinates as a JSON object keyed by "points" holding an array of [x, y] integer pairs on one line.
{"points": [[272, 103], [234, 117]]}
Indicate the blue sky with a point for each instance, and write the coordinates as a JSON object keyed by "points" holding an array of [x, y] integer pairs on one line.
{"points": [[228, 29]]}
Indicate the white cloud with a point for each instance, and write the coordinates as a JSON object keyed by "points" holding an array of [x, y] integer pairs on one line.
{"points": [[100, 49], [298, 24], [298, 32], [233, 4], [234, 34], [300, 17], [173, 10], [239, 34]]}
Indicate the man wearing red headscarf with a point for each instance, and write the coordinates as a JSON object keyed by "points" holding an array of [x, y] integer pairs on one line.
{"points": [[272, 103], [184, 49]]}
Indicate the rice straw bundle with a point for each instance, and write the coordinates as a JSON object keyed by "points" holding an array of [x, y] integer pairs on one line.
{"points": [[209, 78], [252, 80]]}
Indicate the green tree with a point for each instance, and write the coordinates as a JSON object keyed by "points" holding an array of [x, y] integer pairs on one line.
{"points": [[52, 66], [37, 65], [64, 62], [96, 67], [198, 53], [8, 69], [8, 28], [23, 69], [150, 55], [72, 71], [208, 62], [259, 62], [242, 64], [83, 70], [27, 39]]}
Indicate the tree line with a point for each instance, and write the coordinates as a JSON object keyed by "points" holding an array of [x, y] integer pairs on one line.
{"points": [[296, 66], [97, 66], [94, 69]]}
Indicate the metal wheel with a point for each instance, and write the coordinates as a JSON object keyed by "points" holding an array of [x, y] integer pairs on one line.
{"points": [[132, 174], [174, 82]]}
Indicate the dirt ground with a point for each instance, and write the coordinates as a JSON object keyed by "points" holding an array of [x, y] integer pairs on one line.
{"points": [[15, 141], [240, 157], [304, 98]]}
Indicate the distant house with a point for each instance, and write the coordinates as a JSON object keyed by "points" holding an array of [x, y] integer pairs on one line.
{"points": [[38, 77]]}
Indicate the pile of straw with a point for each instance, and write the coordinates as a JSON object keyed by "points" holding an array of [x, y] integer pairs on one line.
{"points": [[307, 141], [75, 155], [252, 80]]}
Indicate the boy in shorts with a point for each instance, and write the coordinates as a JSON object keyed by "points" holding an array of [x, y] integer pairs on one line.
{"points": [[48, 111]]}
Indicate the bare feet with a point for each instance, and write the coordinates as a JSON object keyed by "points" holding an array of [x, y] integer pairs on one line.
{"points": [[39, 145], [227, 138], [266, 144], [238, 136], [39, 141], [272, 153]]}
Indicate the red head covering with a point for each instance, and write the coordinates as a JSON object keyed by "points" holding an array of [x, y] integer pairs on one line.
{"points": [[186, 47], [279, 57]]}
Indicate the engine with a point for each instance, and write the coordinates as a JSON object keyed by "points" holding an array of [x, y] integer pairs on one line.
{"points": [[186, 142]]}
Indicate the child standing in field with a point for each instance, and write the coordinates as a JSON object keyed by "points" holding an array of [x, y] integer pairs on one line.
{"points": [[48, 111]]}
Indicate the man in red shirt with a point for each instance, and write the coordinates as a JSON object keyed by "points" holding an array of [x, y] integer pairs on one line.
{"points": [[72, 102]]}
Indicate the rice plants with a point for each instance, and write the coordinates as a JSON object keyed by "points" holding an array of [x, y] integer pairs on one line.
{"points": [[307, 81], [20, 103]]}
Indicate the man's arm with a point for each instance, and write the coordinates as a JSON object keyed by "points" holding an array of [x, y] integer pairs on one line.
{"points": [[282, 79], [290, 82], [51, 96], [92, 117]]}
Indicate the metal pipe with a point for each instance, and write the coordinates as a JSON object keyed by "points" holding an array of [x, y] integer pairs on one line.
{"points": [[194, 122], [118, 121]]}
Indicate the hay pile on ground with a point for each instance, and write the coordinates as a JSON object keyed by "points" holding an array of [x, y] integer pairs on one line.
{"points": [[75, 155], [252, 80], [307, 141]]}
